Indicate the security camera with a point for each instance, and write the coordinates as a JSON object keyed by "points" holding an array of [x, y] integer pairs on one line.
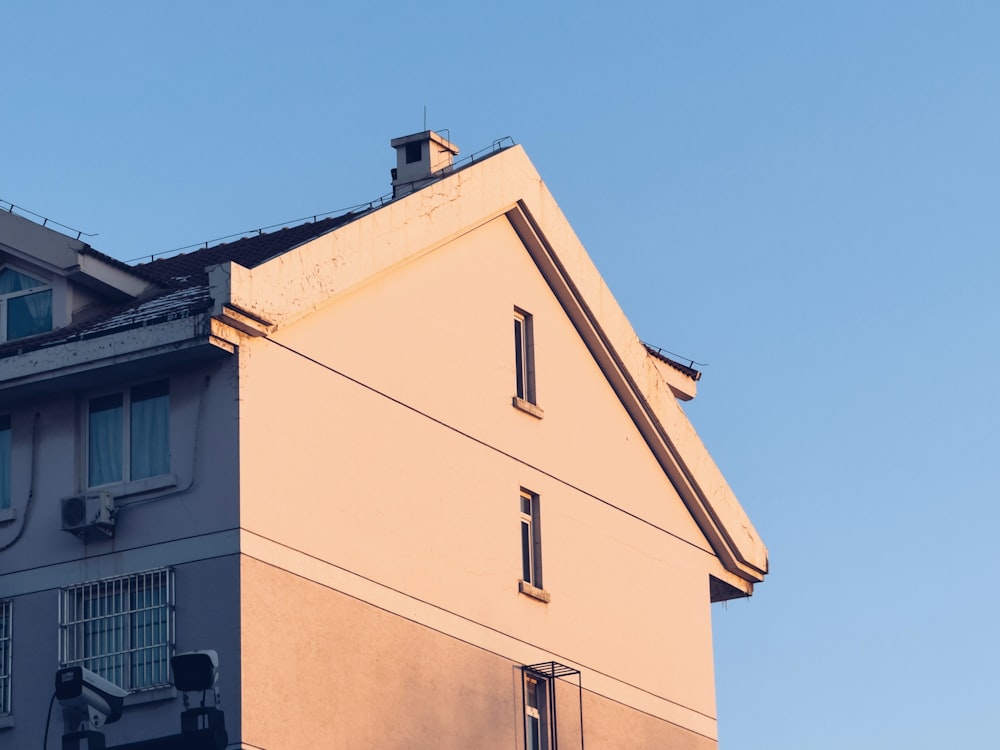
{"points": [[87, 698]]}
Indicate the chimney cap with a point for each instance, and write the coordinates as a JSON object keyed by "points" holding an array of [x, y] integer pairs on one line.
{"points": [[426, 135]]}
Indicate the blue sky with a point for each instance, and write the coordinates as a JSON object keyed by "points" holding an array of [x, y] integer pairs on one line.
{"points": [[802, 195]]}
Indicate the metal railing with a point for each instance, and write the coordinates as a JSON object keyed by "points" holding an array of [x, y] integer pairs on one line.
{"points": [[21, 211]]}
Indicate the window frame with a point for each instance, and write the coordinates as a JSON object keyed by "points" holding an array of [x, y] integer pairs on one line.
{"points": [[6, 447], [530, 553], [530, 582], [5, 297], [100, 622], [6, 655], [128, 455], [537, 686], [524, 357]]}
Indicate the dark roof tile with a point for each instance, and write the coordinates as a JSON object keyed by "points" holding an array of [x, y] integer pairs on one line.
{"points": [[182, 282], [188, 269]]}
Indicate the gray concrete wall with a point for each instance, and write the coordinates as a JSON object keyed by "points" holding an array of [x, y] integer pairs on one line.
{"points": [[190, 524], [207, 616], [48, 464]]}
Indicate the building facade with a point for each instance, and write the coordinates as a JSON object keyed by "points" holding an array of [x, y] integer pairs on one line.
{"points": [[409, 471]]}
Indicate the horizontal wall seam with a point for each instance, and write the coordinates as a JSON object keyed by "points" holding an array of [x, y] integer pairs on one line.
{"points": [[554, 656]]}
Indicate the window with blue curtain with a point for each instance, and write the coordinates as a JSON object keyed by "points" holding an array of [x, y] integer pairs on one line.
{"points": [[104, 440], [128, 435], [150, 430], [26, 312], [4, 461]]}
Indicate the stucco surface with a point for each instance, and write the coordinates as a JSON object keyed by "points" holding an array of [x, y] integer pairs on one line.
{"points": [[358, 254], [323, 669], [405, 470]]}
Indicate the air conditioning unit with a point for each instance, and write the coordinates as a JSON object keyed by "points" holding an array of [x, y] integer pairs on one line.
{"points": [[87, 513]]}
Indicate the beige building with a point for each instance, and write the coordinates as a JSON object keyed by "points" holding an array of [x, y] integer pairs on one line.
{"points": [[409, 471]]}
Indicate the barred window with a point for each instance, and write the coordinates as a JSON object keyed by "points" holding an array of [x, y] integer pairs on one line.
{"points": [[121, 628], [5, 657]]}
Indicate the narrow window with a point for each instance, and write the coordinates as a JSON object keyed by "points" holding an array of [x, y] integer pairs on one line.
{"points": [[128, 435], [25, 305], [5, 656], [150, 430], [121, 628], [524, 357], [531, 558], [535, 712], [104, 440], [413, 152], [4, 462]]}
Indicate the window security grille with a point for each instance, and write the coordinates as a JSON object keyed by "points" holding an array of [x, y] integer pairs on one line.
{"points": [[121, 628], [5, 656], [538, 688]]}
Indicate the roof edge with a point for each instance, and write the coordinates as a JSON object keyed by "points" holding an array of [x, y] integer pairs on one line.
{"points": [[645, 394]]}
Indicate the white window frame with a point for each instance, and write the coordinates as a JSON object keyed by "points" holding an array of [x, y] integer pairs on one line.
{"points": [[122, 628], [4, 298], [6, 655], [531, 543], [536, 712], [126, 437]]}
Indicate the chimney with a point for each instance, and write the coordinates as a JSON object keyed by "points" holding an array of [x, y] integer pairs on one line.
{"points": [[421, 158]]}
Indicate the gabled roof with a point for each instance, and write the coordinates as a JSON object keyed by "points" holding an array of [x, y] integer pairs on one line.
{"points": [[260, 301], [256, 285]]}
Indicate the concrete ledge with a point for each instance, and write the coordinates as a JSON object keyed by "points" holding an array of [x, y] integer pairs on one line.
{"points": [[526, 406], [165, 693], [535, 593]]}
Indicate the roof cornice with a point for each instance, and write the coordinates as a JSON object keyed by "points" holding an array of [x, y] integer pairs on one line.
{"points": [[652, 406]]}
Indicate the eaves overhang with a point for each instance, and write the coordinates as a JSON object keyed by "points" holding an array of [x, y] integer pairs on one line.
{"points": [[39, 246], [703, 490], [115, 356], [113, 280]]}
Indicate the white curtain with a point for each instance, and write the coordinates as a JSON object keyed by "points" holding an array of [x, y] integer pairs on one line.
{"points": [[27, 314], [149, 435], [150, 425], [104, 440], [12, 281]]}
